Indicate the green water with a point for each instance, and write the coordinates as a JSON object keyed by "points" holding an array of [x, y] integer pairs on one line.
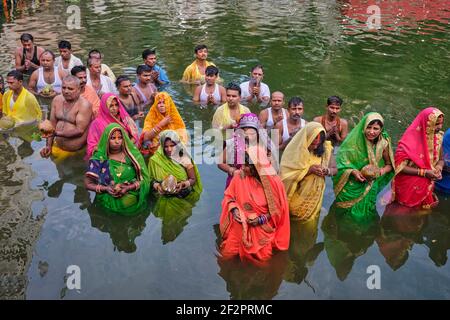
{"points": [[308, 48]]}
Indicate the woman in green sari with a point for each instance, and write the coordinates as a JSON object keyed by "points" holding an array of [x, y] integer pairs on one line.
{"points": [[365, 167], [172, 159], [117, 173]]}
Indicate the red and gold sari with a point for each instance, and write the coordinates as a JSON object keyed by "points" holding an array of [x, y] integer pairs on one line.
{"points": [[419, 147], [254, 198]]}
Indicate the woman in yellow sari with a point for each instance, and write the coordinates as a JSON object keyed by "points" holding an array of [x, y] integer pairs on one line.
{"points": [[163, 115], [306, 161]]}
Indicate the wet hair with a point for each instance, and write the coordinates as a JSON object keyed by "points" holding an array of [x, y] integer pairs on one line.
{"points": [[26, 37], [378, 122], [64, 44], [121, 79], [295, 101], [94, 51], [50, 52], [148, 52], [200, 47], [258, 66], [15, 74], [334, 100], [71, 78], [234, 86], [77, 69], [143, 68], [320, 150], [211, 71]]}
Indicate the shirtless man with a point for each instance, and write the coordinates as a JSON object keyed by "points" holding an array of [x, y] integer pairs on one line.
{"points": [[145, 87], [271, 116], [128, 97], [336, 127], [70, 116], [27, 56], [46, 80], [290, 126]]}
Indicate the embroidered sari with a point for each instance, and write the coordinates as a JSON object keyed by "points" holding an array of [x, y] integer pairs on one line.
{"points": [[419, 147], [111, 172], [105, 118], [355, 198], [444, 184], [254, 198], [304, 192], [154, 117], [160, 166]]}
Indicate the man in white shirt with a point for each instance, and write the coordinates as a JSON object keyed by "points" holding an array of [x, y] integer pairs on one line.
{"points": [[66, 61], [102, 84], [255, 89]]}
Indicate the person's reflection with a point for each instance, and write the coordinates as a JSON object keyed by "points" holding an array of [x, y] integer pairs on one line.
{"points": [[253, 282], [400, 228], [123, 230], [303, 249], [174, 213], [346, 239]]}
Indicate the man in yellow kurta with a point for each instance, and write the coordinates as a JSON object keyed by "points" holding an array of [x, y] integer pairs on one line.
{"points": [[228, 115], [195, 72], [19, 104]]}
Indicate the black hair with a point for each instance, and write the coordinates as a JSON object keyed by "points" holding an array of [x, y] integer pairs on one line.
{"points": [[121, 79], [234, 86], [295, 101], [334, 100], [258, 66], [26, 37], [16, 74], [378, 122], [77, 69], [2, 81], [320, 150], [94, 51], [64, 44], [200, 47], [147, 52], [211, 71], [143, 68], [252, 167]]}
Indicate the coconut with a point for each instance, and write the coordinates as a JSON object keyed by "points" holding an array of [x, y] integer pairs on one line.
{"points": [[370, 172], [169, 184], [46, 128], [7, 123], [48, 89]]}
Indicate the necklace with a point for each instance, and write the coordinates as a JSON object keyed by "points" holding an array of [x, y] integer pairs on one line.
{"points": [[121, 167]]}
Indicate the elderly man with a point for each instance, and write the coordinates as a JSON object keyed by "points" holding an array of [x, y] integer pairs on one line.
{"points": [[46, 80], [70, 116], [101, 83]]}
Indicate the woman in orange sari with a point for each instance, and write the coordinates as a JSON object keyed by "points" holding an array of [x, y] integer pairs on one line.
{"points": [[419, 160], [163, 115], [255, 211]]}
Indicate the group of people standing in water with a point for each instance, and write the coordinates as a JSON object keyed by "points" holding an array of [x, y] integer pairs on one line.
{"points": [[93, 114]]}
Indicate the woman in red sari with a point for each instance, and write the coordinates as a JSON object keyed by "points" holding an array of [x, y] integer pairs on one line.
{"points": [[418, 160], [255, 211]]}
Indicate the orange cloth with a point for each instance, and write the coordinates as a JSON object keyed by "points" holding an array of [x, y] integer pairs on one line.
{"points": [[254, 198], [91, 96], [154, 117]]}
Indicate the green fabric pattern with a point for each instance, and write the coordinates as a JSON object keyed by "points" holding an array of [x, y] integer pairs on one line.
{"points": [[134, 169], [354, 154]]}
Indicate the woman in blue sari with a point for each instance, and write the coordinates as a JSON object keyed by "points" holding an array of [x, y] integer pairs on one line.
{"points": [[444, 184]]}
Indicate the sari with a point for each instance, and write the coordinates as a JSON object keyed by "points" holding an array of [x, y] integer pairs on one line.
{"points": [[161, 166], [254, 198], [304, 192], [192, 74], [355, 198], [25, 109], [222, 117], [111, 172], [154, 117], [444, 184], [105, 118], [419, 147]]}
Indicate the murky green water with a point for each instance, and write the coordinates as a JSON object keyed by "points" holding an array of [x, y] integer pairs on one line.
{"points": [[309, 48]]}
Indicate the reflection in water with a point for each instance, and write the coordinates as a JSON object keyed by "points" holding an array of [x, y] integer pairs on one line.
{"points": [[19, 228], [346, 239], [248, 281], [303, 249], [174, 213], [401, 227]]}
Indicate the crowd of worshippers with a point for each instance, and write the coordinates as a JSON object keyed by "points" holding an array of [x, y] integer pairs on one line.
{"points": [[93, 114]]}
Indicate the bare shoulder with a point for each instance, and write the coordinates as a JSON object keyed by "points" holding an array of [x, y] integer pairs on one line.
{"points": [[58, 100], [317, 119], [344, 122], [83, 104], [279, 125], [19, 51], [263, 113]]}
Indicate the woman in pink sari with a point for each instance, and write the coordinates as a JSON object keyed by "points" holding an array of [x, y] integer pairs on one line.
{"points": [[255, 211], [111, 111], [418, 160]]}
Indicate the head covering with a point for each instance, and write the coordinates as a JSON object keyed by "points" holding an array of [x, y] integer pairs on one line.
{"points": [[105, 118], [249, 120]]}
